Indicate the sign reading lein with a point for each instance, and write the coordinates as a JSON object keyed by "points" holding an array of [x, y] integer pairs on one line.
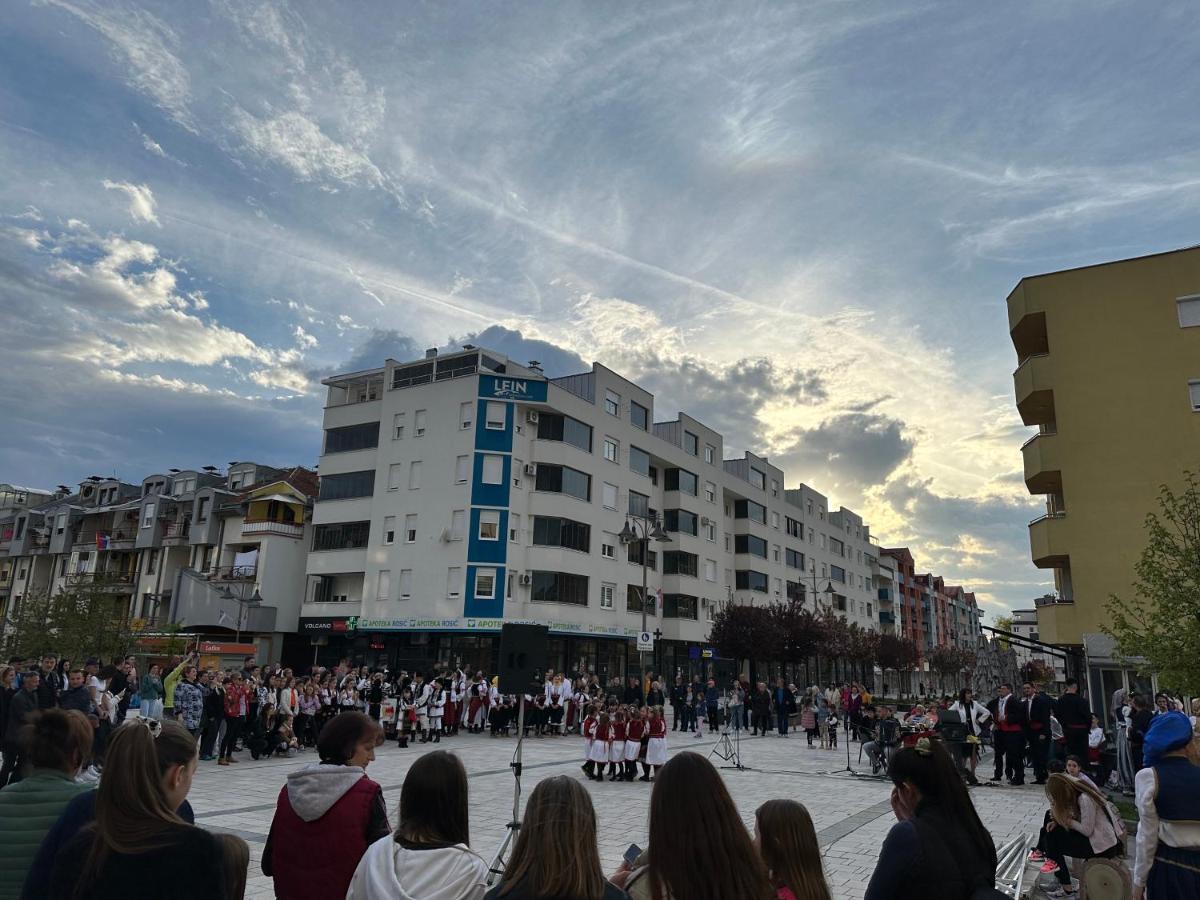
{"points": [[525, 390]]}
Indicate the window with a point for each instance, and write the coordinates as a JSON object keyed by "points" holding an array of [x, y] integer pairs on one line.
{"points": [[514, 527], [341, 536], [749, 580], [677, 562], [757, 478], [681, 520], [633, 600], [710, 454], [410, 528], [551, 531], [385, 584], [489, 524], [554, 427], [608, 551], [633, 553], [458, 524], [710, 531], [462, 469], [606, 595], [748, 543], [202, 506], [419, 423], [838, 574], [1189, 311], [823, 542], [559, 587], [811, 536], [1194, 395], [352, 437], [564, 480], [748, 509], [691, 444], [837, 547], [639, 416], [710, 570], [680, 480], [778, 586], [347, 485], [485, 584], [775, 553], [608, 496], [406, 584], [611, 450], [639, 504], [493, 469], [639, 460], [792, 527], [680, 606], [496, 414], [395, 476], [389, 530], [454, 581], [612, 403], [710, 492], [414, 475], [774, 488], [398, 427], [147, 515], [794, 559], [151, 562]]}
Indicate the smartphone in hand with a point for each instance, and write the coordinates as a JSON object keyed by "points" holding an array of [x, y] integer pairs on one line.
{"points": [[632, 854]]}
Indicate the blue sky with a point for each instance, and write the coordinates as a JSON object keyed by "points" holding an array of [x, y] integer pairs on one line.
{"points": [[797, 221]]}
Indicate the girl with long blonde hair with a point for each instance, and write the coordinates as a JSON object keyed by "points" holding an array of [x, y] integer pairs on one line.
{"points": [[1080, 825]]}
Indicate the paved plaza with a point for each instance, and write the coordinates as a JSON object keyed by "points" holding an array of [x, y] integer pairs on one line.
{"points": [[852, 815]]}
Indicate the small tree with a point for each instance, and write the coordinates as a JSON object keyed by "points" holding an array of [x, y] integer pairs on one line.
{"points": [[1159, 631], [1003, 623], [84, 620], [741, 632], [945, 661], [1037, 672]]}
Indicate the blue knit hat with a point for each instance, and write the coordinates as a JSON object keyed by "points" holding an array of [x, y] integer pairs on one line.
{"points": [[1167, 732]]}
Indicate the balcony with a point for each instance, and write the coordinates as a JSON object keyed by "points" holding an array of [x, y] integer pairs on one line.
{"points": [[113, 582], [259, 527], [230, 573], [1034, 390], [1043, 471], [1047, 541], [39, 544], [122, 539], [1028, 332], [176, 533]]}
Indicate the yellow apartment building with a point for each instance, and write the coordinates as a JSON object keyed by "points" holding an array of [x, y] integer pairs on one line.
{"points": [[1108, 368]]}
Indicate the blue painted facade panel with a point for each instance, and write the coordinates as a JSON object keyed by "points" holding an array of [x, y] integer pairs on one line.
{"points": [[488, 551], [494, 495], [476, 607], [494, 440]]}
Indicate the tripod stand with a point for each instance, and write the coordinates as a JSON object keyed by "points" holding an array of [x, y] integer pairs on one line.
{"points": [[498, 863], [730, 750]]}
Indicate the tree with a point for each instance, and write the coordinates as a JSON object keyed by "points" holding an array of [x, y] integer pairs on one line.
{"points": [[1003, 623], [1159, 631], [87, 619], [1037, 672], [798, 632], [946, 661], [741, 632]]}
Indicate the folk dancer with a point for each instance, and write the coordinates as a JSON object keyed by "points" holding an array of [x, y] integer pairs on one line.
{"points": [[635, 731], [656, 745], [616, 749], [598, 749]]}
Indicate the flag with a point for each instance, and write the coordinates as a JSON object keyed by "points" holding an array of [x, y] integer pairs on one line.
{"points": [[101, 541]]}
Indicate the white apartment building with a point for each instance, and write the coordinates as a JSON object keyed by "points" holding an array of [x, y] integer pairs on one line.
{"points": [[1024, 624], [464, 490]]}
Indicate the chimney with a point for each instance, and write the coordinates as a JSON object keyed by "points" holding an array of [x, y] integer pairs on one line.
{"points": [[431, 353], [534, 366]]}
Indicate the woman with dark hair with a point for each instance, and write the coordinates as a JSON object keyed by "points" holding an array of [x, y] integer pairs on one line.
{"points": [[699, 848], [939, 847], [429, 857], [787, 840], [138, 846], [556, 853], [328, 814]]}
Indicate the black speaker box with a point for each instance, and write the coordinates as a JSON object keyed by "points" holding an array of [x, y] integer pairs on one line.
{"points": [[523, 650]]}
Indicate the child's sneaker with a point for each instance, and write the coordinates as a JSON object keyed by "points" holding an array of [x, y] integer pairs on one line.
{"points": [[1037, 856], [1049, 867]]}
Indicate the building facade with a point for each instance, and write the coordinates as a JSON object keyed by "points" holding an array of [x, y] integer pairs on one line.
{"points": [[1025, 624]]}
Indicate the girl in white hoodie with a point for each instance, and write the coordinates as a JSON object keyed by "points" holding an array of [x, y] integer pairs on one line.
{"points": [[429, 855]]}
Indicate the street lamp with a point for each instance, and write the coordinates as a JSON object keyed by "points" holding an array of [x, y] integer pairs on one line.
{"points": [[650, 530], [226, 594]]}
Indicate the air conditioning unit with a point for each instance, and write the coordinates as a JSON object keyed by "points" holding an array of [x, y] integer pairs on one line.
{"points": [[530, 469], [531, 416], [446, 536], [705, 521], [526, 579]]}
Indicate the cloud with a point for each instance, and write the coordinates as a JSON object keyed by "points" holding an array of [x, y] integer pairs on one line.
{"points": [[555, 360], [304, 340], [380, 344], [141, 199], [847, 452]]}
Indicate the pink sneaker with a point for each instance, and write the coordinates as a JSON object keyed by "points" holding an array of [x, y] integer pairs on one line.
{"points": [[1049, 867], [1036, 856]]}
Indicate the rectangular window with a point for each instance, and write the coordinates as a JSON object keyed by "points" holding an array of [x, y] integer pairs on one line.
{"points": [[549, 531], [489, 524], [748, 509], [564, 480], [691, 444], [385, 584], [496, 414], [147, 515], [454, 582], [608, 551], [485, 584], [465, 415], [710, 531], [1194, 395], [419, 423], [611, 450], [680, 606], [749, 580], [774, 488], [710, 454], [493, 469], [748, 543], [395, 476], [458, 524], [794, 559], [639, 416], [633, 600], [514, 527], [410, 528], [794, 528], [398, 427], [775, 553], [555, 427], [680, 480], [710, 492], [639, 504], [838, 574], [559, 587], [347, 485], [682, 521], [341, 536], [612, 403], [202, 509], [352, 437], [462, 469], [710, 570], [836, 547], [414, 475], [677, 562], [389, 530], [757, 478], [633, 553], [1189, 311], [639, 460], [406, 584], [774, 520], [151, 561], [606, 595], [608, 496]]}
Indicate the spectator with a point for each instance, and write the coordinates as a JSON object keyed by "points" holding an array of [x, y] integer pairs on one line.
{"points": [[59, 745], [327, 814], [556, 853], [237, 707], [784, 700], [429, 856], [1080, 826], [787, 841], [77, 696], [214, 715], [7, 691], [760, 709], [712, 698], [937, 821], [151, 693], [23, 703], [189, 700], [51, 685], [1139, 724], [138, 845], [1168, 838], [236, 853], [699, 848], [171, 680]]}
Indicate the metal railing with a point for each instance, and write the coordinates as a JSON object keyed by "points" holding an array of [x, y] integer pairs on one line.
{"points": [[272, 526], [231, 573], [114, 578], [177, 529], [1057, 514]]}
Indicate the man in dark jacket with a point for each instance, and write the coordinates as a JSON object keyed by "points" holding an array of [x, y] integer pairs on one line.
{"points": [[712, 699], [1075, 717], [633, 693], [760, 710], [678, 700], [51, 685], [1037, 709], [77, 696], [1008, 735], [785, 705], [23, 703]]}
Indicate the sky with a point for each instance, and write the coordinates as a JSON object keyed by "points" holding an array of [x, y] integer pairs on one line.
{"points": [[797, 222]]}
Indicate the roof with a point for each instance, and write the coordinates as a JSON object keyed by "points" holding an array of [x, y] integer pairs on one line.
{"points": [[1112, 262], [19, 489], [303, 480]]}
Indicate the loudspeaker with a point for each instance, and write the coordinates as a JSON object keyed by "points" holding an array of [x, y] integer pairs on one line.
{"points": [[523, 650], [953, 729]]}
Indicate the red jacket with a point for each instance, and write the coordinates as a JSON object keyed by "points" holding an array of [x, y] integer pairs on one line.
{"points": [[618, 731], [234, 692], [636, 729]]}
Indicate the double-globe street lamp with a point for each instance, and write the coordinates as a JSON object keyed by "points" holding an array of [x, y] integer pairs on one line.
{"points": [[642, 530]]}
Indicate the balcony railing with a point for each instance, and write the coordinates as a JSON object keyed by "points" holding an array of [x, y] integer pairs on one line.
{"points": [[231, 573], [113, 579], [177, 530], [270, 526]]}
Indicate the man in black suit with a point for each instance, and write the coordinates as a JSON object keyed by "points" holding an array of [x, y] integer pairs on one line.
{"points": [[1037, 709], [1008, 735], [1075, 717], [678, 702]]}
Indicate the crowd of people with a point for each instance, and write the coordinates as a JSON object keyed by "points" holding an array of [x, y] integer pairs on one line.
{"points": [[94, 797]]}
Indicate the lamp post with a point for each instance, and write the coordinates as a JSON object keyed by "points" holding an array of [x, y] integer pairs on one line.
{"points": [[242, 601], [642, 530], [828, 592]]}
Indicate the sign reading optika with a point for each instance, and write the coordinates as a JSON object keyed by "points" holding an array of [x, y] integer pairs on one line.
{"points": [[498, 387]]}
